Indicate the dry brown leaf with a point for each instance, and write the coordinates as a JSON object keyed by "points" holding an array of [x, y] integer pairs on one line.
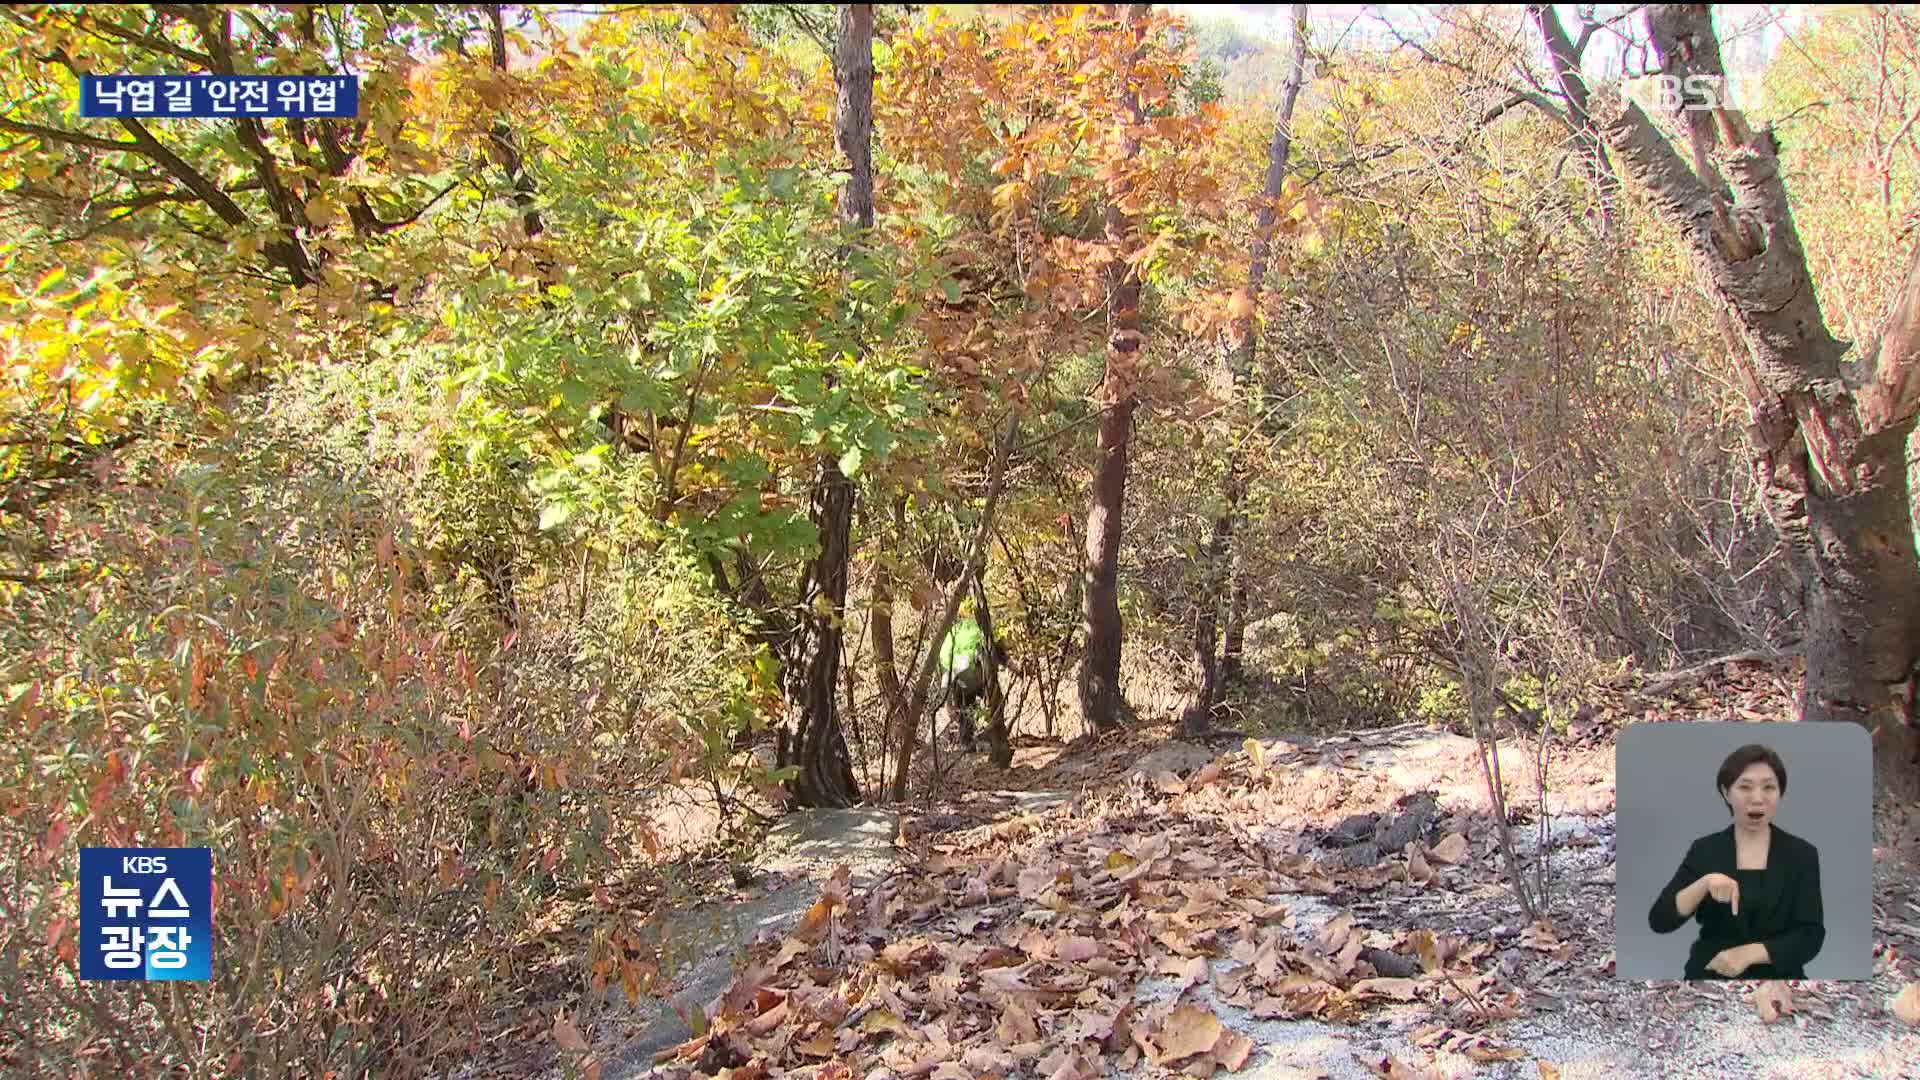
{"points": [[1907, 1005], [1258, 755], [1540, 937], [746, 991], [1333, 936], [1772, 1001], [1009, 979], [820, 1046], [1392, 1068], [1275, 1008], [1076, 949], [1192, 973], [1396, 989], [1067, 1066], [1209, 774], [1181, 943], [1016, 828], [1479, 1048], [1548, 1070], [1187, 1031], [1418, 872], [1016, 1023], [1168, 783], [789, 949], [768, 1021], [1452, 850], [1427, 949], [1349, 957], [880, 1020], [1232, 1051], [567, 1036], [813, 925], [1033, 881]]}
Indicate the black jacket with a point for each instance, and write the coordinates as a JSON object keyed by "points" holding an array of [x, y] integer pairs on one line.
{"points": [[1779, 906]]}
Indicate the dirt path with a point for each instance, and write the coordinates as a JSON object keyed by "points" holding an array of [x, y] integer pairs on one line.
{"points": [[1087, 930]]}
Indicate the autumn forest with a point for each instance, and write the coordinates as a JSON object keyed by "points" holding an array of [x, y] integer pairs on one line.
{"points": [[621, 411]]}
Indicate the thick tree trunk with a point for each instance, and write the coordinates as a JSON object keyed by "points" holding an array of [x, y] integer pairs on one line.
{"points": [[819, 747], [1829, 436], [1862, 642], [1100, 700], [853, 110], [1196, 712]]}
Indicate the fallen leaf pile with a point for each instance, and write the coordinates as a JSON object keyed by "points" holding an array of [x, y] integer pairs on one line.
{"points": [[1018, 948]]}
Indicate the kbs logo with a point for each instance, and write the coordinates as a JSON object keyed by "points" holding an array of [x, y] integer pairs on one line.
{"points": [[1700, 93], [146, 913]]}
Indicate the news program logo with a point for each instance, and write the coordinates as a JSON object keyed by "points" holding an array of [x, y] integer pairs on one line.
{"points": [[1701, 93], [146, 914]]}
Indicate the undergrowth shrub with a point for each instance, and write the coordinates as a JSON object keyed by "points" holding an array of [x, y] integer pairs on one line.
{"points": [[240, 657]]}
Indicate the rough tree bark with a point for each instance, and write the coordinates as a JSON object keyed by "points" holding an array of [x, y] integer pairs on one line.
{"points": [[1196, 712], [819, 747], [1828, 435], [1100, 700]]}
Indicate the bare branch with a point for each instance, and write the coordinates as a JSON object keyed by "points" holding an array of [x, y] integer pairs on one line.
{"points": [[71, 138], [187, 175]]}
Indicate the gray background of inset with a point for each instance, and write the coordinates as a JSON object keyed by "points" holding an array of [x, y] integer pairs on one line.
{"points": [[1665, 798]]}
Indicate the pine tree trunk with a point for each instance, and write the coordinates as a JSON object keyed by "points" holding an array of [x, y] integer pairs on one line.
{"points": [[1100, 700], [1196, 712], [1829, 436]]}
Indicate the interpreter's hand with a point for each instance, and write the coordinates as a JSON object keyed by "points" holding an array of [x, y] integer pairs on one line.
{"points": [[1731, 962], [1724, 889]]}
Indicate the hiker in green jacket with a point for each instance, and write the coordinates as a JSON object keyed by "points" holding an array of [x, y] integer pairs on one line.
{"points": [[963, 666]]}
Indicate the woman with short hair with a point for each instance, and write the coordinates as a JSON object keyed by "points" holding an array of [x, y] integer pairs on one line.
{"points": [[1754, 886]]}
